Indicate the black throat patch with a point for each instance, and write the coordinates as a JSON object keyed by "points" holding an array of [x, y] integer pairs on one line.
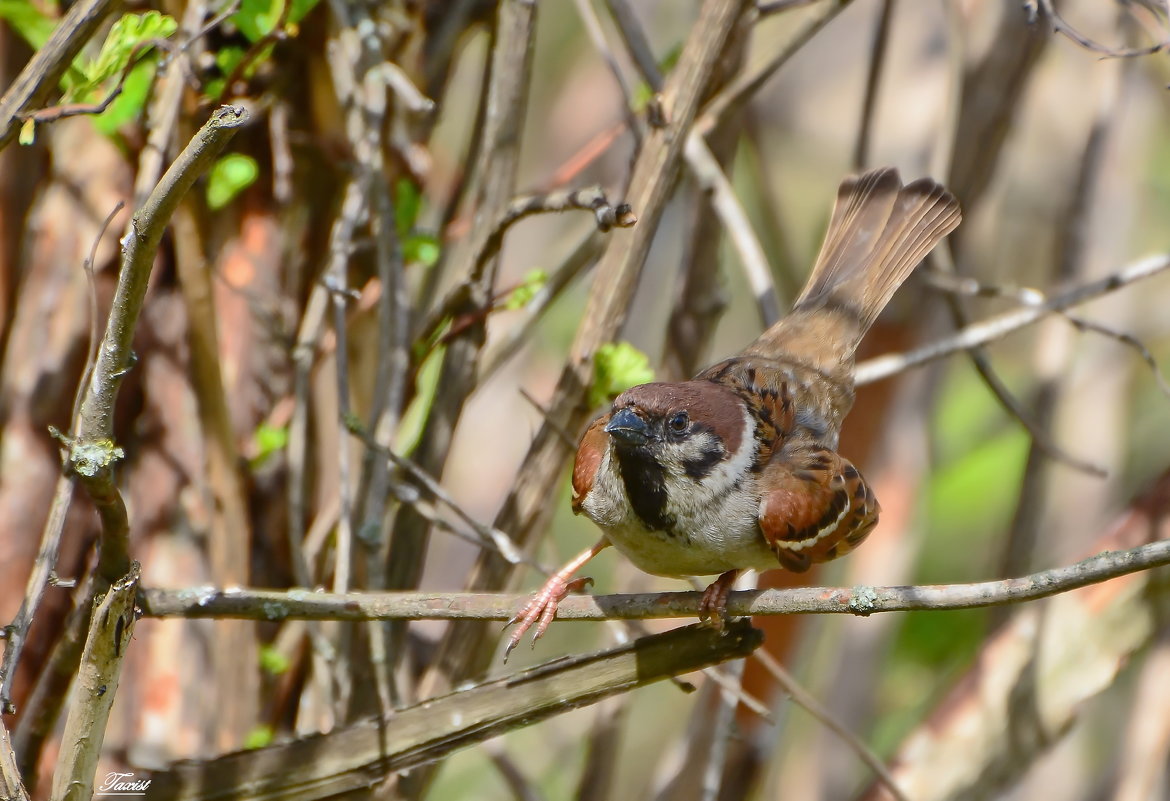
{"points": [[646, 489]]}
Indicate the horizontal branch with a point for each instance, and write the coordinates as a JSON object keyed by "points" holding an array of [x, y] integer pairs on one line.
{"points": [[308, 605]]}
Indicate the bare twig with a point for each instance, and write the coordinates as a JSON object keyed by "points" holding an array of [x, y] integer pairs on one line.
{"points": [[1129, 340], [93, 453], [60, 112], [607, 215], [1061, 26], [458, 301], [504, 110], [805, 700], [489, 537], [507, 345], [767, 7], [300, 605], [710, 177], [873, 79], [1001, 325], [742, 89], [708, 173], [11, 785]]}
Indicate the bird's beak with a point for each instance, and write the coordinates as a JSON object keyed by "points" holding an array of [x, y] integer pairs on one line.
{"points": [[628, 428]]}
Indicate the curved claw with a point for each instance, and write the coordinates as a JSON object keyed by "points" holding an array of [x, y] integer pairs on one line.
{"points": [[541, 609]]}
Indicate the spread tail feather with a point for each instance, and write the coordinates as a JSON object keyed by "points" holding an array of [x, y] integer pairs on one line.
{"points": [[879, 232]]}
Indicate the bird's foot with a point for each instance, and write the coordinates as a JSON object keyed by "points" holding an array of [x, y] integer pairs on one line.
{"points": [[713, 606], [542, 608]]}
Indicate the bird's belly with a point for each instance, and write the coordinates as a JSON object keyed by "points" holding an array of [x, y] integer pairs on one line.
{"points": [[677, 554]]}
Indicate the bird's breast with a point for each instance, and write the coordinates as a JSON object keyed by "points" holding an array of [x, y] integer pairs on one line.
{"points": [[696, 531]]}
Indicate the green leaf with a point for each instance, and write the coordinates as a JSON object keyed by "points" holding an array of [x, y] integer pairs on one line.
{"points": [[420, 248], [414, 419], [617, 366], [28, 21], [28, 132], [231, 175], [267, 440], [273, 661], [301, 9], [257, 18], [127, 106], [522, 295], [407, 203], [126, 34], [258, 737]]}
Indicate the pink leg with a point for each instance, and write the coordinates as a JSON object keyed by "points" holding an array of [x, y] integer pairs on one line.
{"points": [[713, 606], [543, 606]]}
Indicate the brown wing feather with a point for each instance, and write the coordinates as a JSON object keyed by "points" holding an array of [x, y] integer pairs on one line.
{"points": [[819, 507], [589, 455]]}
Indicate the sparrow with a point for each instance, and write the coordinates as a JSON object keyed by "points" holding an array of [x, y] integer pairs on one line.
{"points": [[738, 468]]}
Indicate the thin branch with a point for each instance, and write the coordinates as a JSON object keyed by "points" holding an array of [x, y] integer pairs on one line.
{"points": [[1081, 324], [1001, 325], [60, 112], [768, 7], [805, 700], [41, 74], [1061, 26], [488, 537], [509, 343], [706, 170], [873, 79], [862, 600], [710, 177], [607, 216], [741, 90]]}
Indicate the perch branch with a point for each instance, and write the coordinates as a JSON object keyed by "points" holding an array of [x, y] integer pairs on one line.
{"points": [[304, 605]]}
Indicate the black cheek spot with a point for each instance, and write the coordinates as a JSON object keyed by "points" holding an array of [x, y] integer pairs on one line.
{"points": [[701, 466]]}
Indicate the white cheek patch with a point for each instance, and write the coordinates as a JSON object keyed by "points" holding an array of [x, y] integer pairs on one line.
{"points": [[606, 502], [684, 491], [729, 471]]}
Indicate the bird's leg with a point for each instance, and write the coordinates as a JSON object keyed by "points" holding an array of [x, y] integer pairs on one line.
{"points": [[542, 608], [713, 605]]}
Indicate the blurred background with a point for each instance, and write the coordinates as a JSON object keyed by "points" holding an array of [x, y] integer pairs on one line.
{"points": [[1058, 150]]}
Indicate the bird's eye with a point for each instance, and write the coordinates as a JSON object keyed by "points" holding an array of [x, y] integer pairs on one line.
{"points": [[678, 422]]}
